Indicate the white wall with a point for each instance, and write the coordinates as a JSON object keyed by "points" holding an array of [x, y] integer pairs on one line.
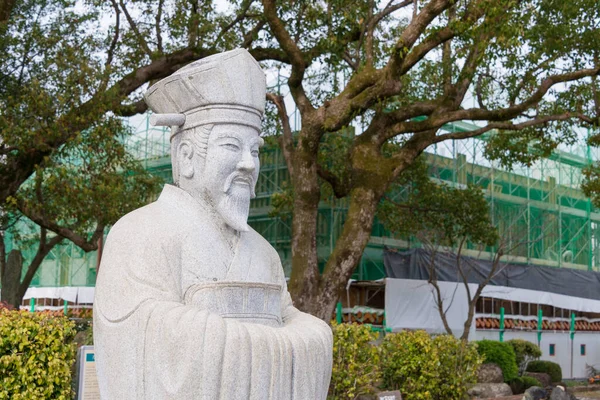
{"points": [[409, 304], [562, 342]]}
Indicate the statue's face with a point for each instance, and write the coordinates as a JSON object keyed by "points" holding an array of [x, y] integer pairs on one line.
{"points": [[230, 172]]}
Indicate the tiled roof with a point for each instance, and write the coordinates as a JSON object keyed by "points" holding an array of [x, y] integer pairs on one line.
{"points": [[522, 324]]}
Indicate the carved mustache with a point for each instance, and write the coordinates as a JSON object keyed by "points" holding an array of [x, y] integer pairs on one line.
{"points": [[240, 178]]}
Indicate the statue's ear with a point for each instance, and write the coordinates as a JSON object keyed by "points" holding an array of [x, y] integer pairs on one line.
{"points": [[185, 155]]}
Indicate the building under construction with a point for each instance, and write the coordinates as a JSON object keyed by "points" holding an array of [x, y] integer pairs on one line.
{"points": [[540, 206]]}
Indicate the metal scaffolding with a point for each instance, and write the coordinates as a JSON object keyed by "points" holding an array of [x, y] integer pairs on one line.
{"points": [[542, 204]]}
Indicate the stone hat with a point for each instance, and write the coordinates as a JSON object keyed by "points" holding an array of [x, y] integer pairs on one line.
{"points": [[228, 87]]}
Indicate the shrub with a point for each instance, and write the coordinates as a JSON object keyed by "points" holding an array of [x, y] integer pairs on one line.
{"points": [[517, 385], [356, 361], [424, 368], [36, 355], [549, 367], [525, 352], [521, 383], [502, 354], [530, 381]]}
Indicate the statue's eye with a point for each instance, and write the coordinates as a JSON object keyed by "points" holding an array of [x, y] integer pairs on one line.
{"points": [[231, 146], [254, 153]]}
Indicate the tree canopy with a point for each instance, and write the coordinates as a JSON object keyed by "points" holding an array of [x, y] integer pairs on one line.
{"points": [[399, 69]]}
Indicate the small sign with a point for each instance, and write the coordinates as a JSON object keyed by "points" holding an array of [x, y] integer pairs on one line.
{"points": [[87, 388], [393, 395]]}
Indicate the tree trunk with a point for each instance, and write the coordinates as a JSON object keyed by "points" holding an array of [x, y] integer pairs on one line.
{"points": [[469, 321], [12, 279], [346, 255], [305, 278]]}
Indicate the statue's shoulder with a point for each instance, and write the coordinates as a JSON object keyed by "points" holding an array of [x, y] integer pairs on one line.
{"points": [[154, 219]]}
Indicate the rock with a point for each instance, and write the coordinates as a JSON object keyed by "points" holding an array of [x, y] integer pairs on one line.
{"points": [[490, 390], [535, 393], [393, 395], [489, 373], [559, 393], [389, 395], [544, 378]]}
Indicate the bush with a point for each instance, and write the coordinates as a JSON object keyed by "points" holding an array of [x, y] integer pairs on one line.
{"points": [[36, 355], [530, 381], [356, 361], [502, 354], [422, 367], [549, 367], [525, 352], [521, 383]]}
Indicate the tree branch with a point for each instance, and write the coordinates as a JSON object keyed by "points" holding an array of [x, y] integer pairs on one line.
{"points": [[113, 44], [436, 121], [44, 248], [372, 23], [531, 73], [158, 21], [380, 133], [129, 110], [508, 126], [348, 59], [18, 167], [249, 36], [340, 188], [141, 41], [447, 64], [242, 14], [457, 92], [193, 25], [460, 268], [66, 233], [4, 149], [368, 35], [366, 87], [287, 140], [596, 96], [390, 8], [6, 8], [413, 32], [290, 47], [469, 18], [111, 49], [433, 281], [2, 258]]}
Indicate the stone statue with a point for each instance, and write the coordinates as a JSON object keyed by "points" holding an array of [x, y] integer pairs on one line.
{"points": [[191, 303]]}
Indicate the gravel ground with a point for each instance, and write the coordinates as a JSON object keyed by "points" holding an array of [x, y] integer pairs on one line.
{"points": [[588, 395]]}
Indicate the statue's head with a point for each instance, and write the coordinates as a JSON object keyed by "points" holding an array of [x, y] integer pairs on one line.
{"points": [[214, 106]]}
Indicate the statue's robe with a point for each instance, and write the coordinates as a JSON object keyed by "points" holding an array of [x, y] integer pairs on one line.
{"points": [[179, 314]]}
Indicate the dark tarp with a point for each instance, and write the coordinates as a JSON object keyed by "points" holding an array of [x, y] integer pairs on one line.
{"points": [[414, 264]]}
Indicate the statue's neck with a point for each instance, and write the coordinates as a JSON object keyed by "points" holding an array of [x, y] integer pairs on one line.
{"points": [[206, 206]]}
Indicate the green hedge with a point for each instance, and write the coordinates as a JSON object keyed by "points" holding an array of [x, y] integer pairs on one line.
{"points": [[36, 354], [422, 367], [356, 366], [549, 367], [521, 383], [501, 354]]}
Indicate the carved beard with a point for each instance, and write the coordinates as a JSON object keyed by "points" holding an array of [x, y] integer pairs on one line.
{"points": [[234, 206]]}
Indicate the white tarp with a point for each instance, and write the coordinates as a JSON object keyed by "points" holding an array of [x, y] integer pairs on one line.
{"points": [[410, 303], [72, 294]]}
